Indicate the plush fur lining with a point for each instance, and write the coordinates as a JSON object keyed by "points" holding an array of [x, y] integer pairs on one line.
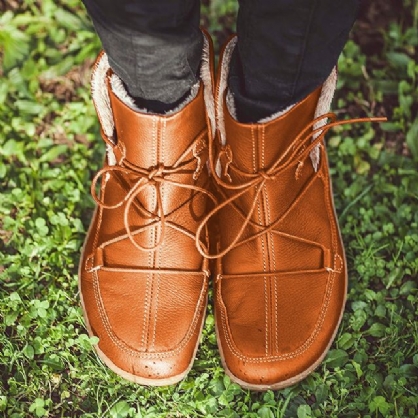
{"points": [[120, 91], [100, 96], [206, 76], [230, 104], [102, 101], [323, 106], [277, 114], [223, 84]]}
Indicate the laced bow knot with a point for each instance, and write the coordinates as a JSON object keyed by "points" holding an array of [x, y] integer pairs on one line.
{"points": [[307, 140], [142, 178], [157, 173], [266, 175]]}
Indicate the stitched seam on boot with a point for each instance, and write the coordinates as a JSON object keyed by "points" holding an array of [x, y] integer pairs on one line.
{"points": [[331, 214], [267, 284], [124, 347], [274, 313], [330, 210], [324, 306], [150, 276], [310, 340], [264, 243], [266, 310], [96, 235], [154, 234], [99, 222], [161, 157], [298, 198], [326, 181]]}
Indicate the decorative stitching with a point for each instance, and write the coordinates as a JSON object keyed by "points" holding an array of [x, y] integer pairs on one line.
{"points": [[161, 157], [200, 146], [120, 344], [156, 136], [338, 263], [90, 263], [157, 278], [299, 351], [266, 310], [121, 147], [327, 295], [272, 252], [326, 182], [99, 222], [146, 302], [197, 150], [324, 308], [151, 240]]}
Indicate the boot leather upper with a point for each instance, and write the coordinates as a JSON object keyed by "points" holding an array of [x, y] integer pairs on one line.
{"points": [[142, 280], [280, 289]]}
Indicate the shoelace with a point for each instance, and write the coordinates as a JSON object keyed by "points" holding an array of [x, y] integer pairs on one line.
{"points": [[153, 177], [300, 148]]}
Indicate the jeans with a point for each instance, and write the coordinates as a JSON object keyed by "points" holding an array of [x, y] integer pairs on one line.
{"points": [[286, 49]]}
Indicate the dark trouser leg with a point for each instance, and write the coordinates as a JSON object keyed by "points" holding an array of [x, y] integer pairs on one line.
{"points": [[286, 48], [154, 46]]}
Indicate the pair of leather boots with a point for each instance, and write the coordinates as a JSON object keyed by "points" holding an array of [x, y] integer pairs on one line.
{"points": [[193, 195]]}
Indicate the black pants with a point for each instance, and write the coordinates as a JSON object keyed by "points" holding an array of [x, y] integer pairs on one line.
{"points": [[286, 48]]}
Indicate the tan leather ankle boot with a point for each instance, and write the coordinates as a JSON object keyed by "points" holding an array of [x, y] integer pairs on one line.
{"points": [[143, 284], [281, 274]]}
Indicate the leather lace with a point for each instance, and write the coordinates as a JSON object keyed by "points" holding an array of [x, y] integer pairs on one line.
{"points": [[153, 177], [300, 148]]}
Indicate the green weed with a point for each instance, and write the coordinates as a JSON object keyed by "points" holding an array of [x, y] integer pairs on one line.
{"points": [[49, 149]]}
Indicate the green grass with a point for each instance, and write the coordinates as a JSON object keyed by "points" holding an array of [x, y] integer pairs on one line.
{"points": [[49, 150]]}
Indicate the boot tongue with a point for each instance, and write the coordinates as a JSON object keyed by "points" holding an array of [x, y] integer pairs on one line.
{"points": [[257, 146], [149, 139]]}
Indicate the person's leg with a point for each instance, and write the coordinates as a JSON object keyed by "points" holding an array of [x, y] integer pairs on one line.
{"points": [[155, 47], [286, 49]]}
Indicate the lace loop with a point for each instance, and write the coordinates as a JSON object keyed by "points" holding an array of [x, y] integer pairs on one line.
{"points": [[153, 177], [308, 139]]}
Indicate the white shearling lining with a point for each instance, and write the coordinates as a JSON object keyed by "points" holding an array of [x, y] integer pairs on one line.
{"points": [[223, 84], [100, 95], [120, 91], [206, 76], [323, 107], [101, 102]]}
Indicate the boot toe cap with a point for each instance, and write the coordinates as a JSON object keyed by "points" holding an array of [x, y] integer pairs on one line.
{"points": [[147, 349], [299, 332]]}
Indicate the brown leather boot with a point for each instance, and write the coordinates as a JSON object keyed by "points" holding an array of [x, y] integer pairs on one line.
{"points": [[281, 275], [143, 284]]}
